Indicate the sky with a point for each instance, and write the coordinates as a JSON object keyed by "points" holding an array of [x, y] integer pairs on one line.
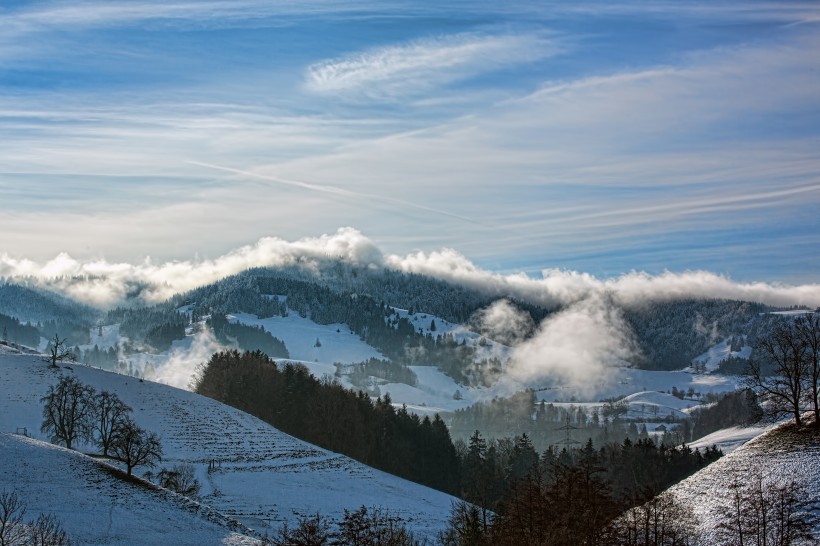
{"points": [[598, 137]]}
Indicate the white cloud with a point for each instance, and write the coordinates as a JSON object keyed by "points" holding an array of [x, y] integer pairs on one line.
{"points": [[504, 322], [179, 368], [105, 284], [401, 70], [561, 287], [87, 14], [580, 346]]}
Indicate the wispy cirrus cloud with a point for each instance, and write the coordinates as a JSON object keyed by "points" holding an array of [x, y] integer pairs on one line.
{"points": [[88, 14], [406, 69]]}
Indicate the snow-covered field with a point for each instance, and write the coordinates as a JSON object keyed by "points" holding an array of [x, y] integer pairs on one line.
{"points": [[434, 392], [644, 405], [336, 343], [628, 381], [262, 478], [97, 508]]}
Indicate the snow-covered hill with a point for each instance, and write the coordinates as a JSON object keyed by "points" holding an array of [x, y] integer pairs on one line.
{"points": [[262, 477], [306, 340], [777, 456], [95, 507]]}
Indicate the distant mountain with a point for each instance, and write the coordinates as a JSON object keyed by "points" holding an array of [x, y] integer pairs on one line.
{"points": [[382, 307], [669, 334]]}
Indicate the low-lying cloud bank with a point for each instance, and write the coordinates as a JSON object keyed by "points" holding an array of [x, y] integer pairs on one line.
{"points": [[105, 284]]}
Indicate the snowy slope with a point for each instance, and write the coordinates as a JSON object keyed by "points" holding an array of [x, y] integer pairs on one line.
{"points": [[263, 477], [779, 455], [723, 350], [729, 439], [644, 404], [95, 507], [336, 342]]}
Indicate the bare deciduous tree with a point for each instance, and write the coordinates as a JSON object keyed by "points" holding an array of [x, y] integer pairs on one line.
{"points": [[134, 446], [13, 529], [662, 521], [68, 410], [762, 511], [783, 391], [180, 479], [465, 526], [58, 351], [110, 414], [310, 531], [47, 531], [807, 328]]}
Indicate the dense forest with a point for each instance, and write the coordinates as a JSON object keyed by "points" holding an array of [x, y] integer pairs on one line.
{"points": [[157, 326], [566, 498], [32, 304], [672, 333], [12, 330]]}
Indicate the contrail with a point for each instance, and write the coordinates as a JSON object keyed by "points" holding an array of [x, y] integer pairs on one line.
{"points": [[333, 190]]}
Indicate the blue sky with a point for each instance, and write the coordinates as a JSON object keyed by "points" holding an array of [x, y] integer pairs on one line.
{"points": [[600, 137]]}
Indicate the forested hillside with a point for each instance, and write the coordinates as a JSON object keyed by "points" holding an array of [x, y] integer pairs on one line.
{"points": [[667, 334], [672, 333], [50, 313]]}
